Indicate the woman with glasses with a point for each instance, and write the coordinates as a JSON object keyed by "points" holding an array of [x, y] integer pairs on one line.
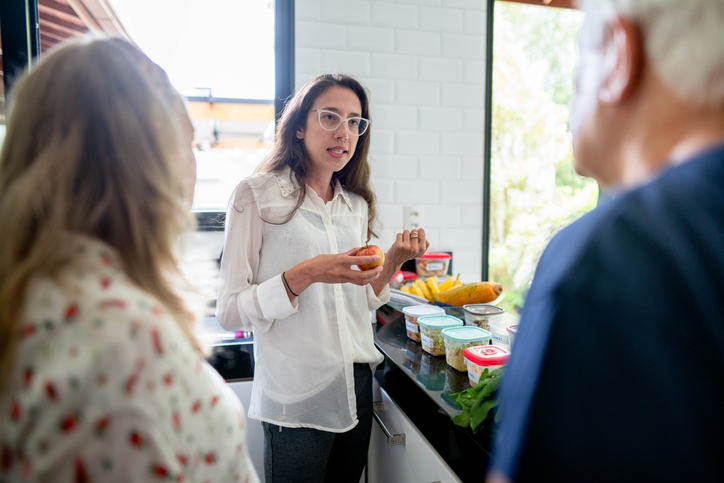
{"points": [[293, 233]]}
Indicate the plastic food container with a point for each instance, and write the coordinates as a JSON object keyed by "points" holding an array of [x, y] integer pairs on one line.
{"points": [[412, 313], [432, 264], [431, 332], [512, 332], [479, 314], [460, 338], [499, 331], [483, 357]]}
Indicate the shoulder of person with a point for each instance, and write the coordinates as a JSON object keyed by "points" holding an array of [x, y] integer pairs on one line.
{"points": [[91, 303], [267, 187]]}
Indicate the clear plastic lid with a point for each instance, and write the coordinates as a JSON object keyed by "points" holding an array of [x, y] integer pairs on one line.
{"points": [[439, 321], [422, 310], [487, 355], [483, 309], [513, 329], [467, 334]]}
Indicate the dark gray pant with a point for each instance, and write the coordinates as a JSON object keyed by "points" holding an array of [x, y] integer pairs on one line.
{"points": [[305, 455]]}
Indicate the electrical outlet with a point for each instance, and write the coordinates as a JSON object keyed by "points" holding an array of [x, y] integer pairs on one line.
{"points": [[413, 217]]}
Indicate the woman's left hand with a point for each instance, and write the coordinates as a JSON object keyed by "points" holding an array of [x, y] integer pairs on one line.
{"points": [[408, 245]]}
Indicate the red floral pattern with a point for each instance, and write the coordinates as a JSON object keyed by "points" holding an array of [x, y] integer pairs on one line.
{"points": [[95, 359]]}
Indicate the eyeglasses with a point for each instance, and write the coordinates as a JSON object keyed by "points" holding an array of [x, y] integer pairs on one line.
{"points": [[330, 121]]}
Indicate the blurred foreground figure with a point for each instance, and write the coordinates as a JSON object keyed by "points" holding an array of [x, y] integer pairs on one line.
{"points": [[617, 372], [100, 377]]}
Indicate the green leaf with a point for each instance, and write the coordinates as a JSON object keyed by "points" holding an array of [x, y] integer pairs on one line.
{"points": [[481, 414], [462, 419], [478, 402]]}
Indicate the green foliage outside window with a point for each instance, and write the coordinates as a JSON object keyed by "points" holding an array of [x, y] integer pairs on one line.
{"points": [[534, 190]]}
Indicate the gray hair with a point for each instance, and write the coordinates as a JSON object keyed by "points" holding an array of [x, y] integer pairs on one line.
{"points": [[682, 39]]}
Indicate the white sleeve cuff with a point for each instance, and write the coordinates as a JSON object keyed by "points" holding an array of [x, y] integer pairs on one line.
{"points": [[274, 301], [375, 301]]}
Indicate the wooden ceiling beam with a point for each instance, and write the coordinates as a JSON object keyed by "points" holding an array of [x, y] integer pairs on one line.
{"points": [[60, 15], [70, 27], [52, 38], [56, 32], [82, 12], [55, 28], [46, 45], [57, 6]]}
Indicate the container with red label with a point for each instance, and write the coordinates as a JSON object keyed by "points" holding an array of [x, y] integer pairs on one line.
{"points": [[483, 357], [432, 264]]}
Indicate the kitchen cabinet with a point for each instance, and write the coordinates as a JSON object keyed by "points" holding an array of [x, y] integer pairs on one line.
{"points": [[415, 461], [420, 386]]}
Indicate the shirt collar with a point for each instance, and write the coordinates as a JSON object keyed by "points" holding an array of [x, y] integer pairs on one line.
{"points": [[92, 251], [285, 183], [287, 186], [339, 191]]}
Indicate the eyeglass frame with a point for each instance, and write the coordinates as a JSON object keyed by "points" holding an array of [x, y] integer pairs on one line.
{"points": [[342, 120]]}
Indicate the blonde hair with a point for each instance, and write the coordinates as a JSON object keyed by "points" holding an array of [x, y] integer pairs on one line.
{"points": [[95, 140]]}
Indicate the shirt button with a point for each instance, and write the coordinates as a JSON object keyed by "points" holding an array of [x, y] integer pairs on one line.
{"points": [[326, 221], [337, 288]]}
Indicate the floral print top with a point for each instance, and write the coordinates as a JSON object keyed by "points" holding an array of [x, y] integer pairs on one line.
{"points": [[105, 387]]}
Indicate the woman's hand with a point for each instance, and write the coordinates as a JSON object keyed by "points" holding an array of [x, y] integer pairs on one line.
{"points": [[331, 269], [408, 245]]}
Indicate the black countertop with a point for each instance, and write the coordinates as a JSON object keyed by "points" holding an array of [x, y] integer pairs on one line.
{"points": [[431, 374], [421, 385]]}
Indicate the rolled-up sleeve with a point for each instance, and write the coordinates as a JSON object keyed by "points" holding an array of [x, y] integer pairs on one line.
{"points": [[241, 303], [376, 301]]}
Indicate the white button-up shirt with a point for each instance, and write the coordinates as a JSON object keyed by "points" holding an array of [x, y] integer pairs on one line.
{"points": [[303, 350]]}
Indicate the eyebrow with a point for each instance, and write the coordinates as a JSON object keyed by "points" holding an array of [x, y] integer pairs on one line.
{"points": [[334, 109]]}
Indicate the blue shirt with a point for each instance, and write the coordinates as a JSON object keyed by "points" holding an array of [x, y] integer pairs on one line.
{"points": [[617, 373]]}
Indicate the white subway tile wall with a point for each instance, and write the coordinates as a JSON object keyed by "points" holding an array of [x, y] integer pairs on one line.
{"points": [[423, 62]]}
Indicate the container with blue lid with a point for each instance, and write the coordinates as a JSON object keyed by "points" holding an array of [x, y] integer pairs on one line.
{"points": [[431, 328], [412, 313], [457, 339]]}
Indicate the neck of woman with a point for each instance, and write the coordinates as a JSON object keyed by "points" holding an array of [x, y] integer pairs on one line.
{"points": [[322, 185]]}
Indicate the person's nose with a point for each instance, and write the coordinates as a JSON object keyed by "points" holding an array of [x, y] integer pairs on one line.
{"points": [[341, 131]]}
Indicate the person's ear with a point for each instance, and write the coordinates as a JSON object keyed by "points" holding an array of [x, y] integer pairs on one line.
{"points": [[623, 57], [300, 133]]}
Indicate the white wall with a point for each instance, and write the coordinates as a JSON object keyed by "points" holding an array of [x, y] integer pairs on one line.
{"points": [[424, 64]]}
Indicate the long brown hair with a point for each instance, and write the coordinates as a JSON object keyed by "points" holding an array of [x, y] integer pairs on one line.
{"points": [[93, 146], [288, 151]]}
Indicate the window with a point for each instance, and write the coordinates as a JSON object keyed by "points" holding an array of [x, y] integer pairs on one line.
{"points": [[220, 55], [534, 190]]}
